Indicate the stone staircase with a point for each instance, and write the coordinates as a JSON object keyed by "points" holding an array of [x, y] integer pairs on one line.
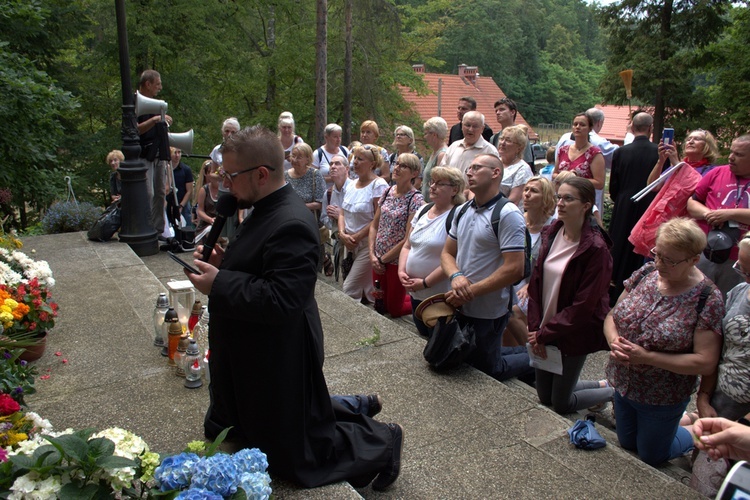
{"points": [[466, 435]]}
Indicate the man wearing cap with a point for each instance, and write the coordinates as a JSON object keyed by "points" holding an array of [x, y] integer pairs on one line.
{"points": [[483, 265], [722, 201]]}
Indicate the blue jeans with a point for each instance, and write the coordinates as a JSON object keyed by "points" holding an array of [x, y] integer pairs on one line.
{"points": [[356, 404], [653, 431], [501, 363]]}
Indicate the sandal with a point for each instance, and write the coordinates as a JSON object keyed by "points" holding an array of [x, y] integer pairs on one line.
{"points": [[328, 265]]}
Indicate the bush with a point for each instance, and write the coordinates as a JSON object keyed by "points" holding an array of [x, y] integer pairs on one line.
{"points": [[67, 217]]}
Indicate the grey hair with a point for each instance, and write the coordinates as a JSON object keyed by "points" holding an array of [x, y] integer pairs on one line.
{"points": [[331, 128]]}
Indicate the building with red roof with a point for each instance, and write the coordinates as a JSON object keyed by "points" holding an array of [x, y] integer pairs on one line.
{"points": [[446, 90]]}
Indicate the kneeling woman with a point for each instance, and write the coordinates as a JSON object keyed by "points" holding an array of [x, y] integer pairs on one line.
{"points": [[568, 298], [664, 331]]}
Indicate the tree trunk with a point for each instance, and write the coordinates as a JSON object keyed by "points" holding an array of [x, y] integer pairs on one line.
{"points": [[321, 66], [347, 125], [665, 23], [271, 44]]}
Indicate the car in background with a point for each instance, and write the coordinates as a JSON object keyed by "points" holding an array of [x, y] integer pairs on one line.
{"points": [[539, 151]]}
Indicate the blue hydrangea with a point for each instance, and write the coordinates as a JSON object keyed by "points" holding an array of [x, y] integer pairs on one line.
{"points": [[256, 485], [198, 494], [174, 472], [217, 473], [251, 460]]}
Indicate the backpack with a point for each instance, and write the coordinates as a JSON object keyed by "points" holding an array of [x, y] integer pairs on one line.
{"points": [[321, 153], [495, 220]]}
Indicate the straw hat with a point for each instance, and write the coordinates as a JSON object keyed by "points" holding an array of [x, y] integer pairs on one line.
{"points": [[433, 308]]}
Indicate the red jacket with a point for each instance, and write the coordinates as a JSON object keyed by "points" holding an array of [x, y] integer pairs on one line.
{"points": [[583, 301]]}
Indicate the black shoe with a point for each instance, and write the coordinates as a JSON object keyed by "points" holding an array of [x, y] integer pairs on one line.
{"points": [[390, 473], [374, 404]]}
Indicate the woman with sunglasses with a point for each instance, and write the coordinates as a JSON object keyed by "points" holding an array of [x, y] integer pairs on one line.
{"points": [[355, 218], [568, 299], [664, 331], [388, 232]]}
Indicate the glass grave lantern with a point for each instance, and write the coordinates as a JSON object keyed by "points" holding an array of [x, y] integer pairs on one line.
{"points": [[182, 297], [161, 308]]}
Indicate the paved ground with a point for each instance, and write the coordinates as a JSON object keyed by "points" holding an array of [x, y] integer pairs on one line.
{"points": [[466, 435]]}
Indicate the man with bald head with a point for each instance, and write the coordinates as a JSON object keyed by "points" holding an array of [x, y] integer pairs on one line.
{"points": [[266, 339], [483, 265], [461, 153], [631, 165]]}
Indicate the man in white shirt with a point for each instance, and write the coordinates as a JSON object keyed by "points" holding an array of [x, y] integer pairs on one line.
{"points": [[461, 153]]}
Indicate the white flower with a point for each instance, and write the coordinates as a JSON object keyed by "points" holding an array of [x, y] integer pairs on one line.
{"points": [[41, 425], [31, 269], [29, 487], [127, 445]]}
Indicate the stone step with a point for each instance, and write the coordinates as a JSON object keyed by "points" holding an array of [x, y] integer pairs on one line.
{"points": [[466, 435]]}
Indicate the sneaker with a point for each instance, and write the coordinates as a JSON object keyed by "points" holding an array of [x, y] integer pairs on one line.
{"points": [[390, 473]]}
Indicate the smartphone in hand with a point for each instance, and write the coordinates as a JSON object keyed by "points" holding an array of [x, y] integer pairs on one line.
{"points": [[184, 264], [667, 136]]}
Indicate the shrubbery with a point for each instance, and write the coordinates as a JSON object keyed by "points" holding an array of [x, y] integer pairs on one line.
{"points": [[68, 217]]}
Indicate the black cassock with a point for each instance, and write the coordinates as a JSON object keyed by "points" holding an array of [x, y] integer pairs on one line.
{"points": [[267, 356], [631, 166]]}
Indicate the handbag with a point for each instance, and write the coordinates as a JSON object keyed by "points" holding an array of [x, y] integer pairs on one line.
{"points": [[347, 263], [584, 435], [449, 345], [107, 224]]}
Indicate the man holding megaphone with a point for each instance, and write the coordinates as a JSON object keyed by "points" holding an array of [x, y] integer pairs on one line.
{"points": [[153, 128]]}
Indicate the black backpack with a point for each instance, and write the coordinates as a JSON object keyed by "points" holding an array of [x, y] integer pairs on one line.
{"points": [[495, 220]]}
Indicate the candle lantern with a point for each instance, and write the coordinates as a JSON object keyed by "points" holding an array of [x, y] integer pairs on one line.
{"points": [[169, 317], [162, 306], [175, 332], [182, 297], [179, 356], [193, 366], [200, 332], [195, 315]]}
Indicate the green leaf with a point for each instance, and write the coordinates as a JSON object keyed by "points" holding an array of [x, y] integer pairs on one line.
{"points": [[115, 462], [71, 445], [213, 448], [71, 491]]}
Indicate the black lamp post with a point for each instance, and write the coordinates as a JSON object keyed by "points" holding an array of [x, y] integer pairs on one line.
{"points": [[136, 230]]}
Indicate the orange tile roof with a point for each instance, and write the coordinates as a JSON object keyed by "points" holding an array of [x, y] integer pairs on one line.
{"points": [[453, 87], [616, 121]]}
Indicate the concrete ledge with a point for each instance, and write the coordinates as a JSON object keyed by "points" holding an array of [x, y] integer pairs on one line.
{"points": [[466, 435]]}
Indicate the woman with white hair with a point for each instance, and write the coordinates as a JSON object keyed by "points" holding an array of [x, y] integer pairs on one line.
{"points": [[324, 154], [287, 136], [403, 142], [230, 127], [436, 136]]}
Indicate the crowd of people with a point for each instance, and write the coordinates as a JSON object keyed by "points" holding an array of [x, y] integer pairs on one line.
{"points": [[669, 300]]}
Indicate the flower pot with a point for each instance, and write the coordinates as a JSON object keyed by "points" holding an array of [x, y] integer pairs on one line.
{"points": [[34, 352]]}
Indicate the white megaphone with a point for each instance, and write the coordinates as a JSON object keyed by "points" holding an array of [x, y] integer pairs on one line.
{"points": [[182, 141], [148, 106]]}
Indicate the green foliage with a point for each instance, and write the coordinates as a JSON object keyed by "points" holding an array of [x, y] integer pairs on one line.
{"points": [[657, 39], [68, 217], [725, 75], [78, 456], [372, 340], [16, 376]]}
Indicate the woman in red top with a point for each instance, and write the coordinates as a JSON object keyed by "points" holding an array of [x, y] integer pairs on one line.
{"points": [[582, 158]]}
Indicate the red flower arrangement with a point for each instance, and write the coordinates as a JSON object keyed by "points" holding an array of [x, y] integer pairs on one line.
{"points": [[35, 312]]}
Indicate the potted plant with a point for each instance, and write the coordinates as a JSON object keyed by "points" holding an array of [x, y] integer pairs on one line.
{"points": [[27, 312]]}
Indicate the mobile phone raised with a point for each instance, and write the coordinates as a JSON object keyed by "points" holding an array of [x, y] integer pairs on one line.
{"points": [[184, 264], [667, 136]]}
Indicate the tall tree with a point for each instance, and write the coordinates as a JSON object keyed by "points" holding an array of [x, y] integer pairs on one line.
{"points": [[321, 70], [656, 38]]}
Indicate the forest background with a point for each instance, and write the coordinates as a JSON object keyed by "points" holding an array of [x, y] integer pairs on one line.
{"points": [[60, 111]]}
